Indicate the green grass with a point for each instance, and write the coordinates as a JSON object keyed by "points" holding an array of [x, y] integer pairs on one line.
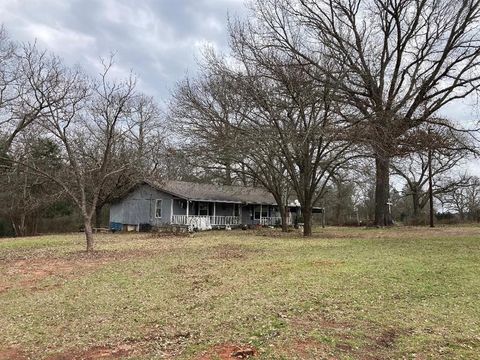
{"points": [[345, 293]]}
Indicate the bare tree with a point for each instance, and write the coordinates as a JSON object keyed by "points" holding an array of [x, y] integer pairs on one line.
{"points": [[465, 200], [88, 124], [289, 110], [24, 70], [393, 63], [208, 114], [137, 150], [205, 113], [432, 154], [10, 89]]}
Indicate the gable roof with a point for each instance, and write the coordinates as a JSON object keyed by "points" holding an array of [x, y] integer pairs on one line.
{"points": [[217, 193]]}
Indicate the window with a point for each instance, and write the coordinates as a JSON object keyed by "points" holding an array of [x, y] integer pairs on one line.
{"points": [[158, 208], [264, 212], [257, 213], [236, 210], [203, 209]]}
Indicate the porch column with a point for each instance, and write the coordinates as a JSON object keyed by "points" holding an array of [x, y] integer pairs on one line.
{"points": [[214, 212], [171, 212], [260, 214], [188, 205]]}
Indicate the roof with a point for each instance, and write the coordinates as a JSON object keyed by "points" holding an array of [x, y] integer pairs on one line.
{"points": [[217, 193]]}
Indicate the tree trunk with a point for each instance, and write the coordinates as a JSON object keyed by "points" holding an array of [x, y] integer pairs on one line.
{"points": [[228, 174], [416, 206], [283, 214], [307, 220], [15, 228], [22, 227], [338, 205], [98, 216], [382, 191], [88, 233]]}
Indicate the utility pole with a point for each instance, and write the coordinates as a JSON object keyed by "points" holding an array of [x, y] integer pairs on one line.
{"points": [[430, 181]]}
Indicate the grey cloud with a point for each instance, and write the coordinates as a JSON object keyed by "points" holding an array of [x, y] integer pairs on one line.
{"points": [[158, 40]]}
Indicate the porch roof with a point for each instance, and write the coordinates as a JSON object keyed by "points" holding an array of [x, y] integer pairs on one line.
{"points": [[218, 193]]}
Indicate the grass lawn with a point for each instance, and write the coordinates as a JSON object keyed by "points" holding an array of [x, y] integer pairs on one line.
{"points": [[343, 294]]}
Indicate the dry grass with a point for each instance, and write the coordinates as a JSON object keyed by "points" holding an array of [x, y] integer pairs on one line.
{"points": [[343, 294]]}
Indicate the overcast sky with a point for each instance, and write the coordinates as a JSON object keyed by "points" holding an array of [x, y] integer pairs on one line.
{"points": [[159, 40]]}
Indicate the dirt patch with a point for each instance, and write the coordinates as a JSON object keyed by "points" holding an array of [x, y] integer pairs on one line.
{"points": [[228, 352], [97, 352], [12, 353], [376, 345], [29, 273], [387, 338], [231, 252], [308, 349]]}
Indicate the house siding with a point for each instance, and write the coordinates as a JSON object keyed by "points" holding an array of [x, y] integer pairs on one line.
{"points": [[138, 207]]}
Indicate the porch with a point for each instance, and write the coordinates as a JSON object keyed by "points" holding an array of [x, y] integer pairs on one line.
{"points": [[207, 219], [205, 214], [274, 220]]}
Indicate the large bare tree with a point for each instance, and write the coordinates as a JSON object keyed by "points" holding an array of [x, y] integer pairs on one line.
{"points": [[291, 113], [394, 63], [209, 113]]}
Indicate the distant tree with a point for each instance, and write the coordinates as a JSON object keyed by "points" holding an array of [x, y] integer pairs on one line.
{"points": [[465, 200], [448, 149], [341, 200], [24, 196]]}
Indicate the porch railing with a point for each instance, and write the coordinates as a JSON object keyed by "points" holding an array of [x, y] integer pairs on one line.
{"points": [[273, 221], [224, 220], [214, 220]]}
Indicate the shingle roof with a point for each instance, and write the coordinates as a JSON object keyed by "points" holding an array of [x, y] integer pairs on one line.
{"points": [[219, 193]]}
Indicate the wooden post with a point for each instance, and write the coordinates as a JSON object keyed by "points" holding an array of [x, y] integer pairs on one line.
{"points": [[430, 182]]}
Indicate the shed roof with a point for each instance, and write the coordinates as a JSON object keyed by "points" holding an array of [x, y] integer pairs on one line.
{"points": [[218, 193]]}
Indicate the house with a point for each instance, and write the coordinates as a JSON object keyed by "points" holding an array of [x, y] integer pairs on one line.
{"points": [[155, 204]]}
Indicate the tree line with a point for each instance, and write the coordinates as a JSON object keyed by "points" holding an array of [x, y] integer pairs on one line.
{"points": [[314, 99]]}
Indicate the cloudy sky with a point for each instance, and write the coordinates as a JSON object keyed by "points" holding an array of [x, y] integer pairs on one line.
{"points": [[158, 39]]}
